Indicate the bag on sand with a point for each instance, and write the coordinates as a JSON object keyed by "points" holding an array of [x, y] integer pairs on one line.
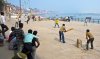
{"points": [[20, 55]]}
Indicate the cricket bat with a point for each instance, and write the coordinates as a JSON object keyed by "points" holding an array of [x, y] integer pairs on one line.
{"points": [[69, 29]]}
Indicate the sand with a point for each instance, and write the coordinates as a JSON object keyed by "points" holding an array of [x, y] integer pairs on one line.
{"points": [[51, 48]]}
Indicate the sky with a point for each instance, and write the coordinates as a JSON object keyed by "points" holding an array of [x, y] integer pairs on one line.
{"points": [[63, 6]]}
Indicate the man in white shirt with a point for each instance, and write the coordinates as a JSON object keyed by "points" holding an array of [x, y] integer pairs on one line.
{"points": [[4, 28]]}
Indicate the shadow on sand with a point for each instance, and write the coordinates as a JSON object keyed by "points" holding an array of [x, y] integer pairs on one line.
{"points": [[57, 39]]}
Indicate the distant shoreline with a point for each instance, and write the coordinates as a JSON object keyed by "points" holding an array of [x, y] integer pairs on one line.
{"points": [[74, 15]]}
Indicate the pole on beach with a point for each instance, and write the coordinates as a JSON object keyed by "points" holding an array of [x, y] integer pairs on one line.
{"points": [[7, 10], [20, 7]]}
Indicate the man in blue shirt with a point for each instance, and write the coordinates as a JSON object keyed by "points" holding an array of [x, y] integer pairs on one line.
{"points": [[27, 49], [29, 37]]}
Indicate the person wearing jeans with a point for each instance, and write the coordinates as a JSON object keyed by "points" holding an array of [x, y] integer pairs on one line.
{"points": [[90, 41], [28, 44], [89, 38], [61, 33]]}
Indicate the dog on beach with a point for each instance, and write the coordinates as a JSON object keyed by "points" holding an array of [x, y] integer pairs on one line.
{"points": [[79, 43]]}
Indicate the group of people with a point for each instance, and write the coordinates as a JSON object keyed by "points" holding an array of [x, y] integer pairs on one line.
{"points": [[27, 46], [89, 36], [23, 45], [33, 17]]}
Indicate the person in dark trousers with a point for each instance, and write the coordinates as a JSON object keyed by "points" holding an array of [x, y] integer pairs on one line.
{"points": [[35, 43], [85, 22], [89, 38], [3, 24], [33, 17], [18, 21], [27, 48], [10, 37], [19, 35], [1, 39], [61, 33], [28, 18]]}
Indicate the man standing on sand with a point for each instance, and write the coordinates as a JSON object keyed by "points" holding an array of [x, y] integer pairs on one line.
{"points": [[33, 17], [85, 23], [61, 33], [89, 38], [18, 20]]}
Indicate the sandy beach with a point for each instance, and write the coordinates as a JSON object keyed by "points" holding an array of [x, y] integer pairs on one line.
{"points": [[51, 48]]}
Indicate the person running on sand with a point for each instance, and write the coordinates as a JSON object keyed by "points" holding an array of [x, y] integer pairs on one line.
{"points": [[35, 43], [28, 44], [56, 22], [4, 27]]}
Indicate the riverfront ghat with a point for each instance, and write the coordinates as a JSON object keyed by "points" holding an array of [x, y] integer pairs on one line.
{"points": [[51, 48]]}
